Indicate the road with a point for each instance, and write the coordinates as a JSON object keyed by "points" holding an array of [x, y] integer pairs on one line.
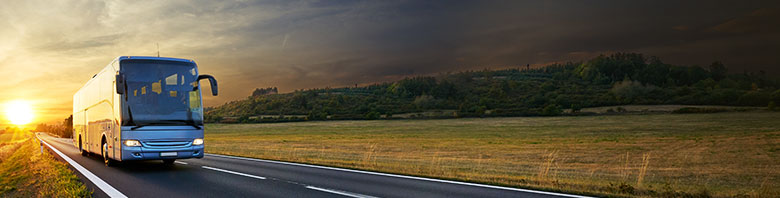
{"points": [[227, 176]]}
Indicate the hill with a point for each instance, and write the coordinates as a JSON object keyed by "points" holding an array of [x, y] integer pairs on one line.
{"points": [[617, 79]]}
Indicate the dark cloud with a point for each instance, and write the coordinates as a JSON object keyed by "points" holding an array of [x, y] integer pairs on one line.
{"points": [[313, 44], [360, 42]]}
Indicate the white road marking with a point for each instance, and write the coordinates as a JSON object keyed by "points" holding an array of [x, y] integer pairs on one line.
{"points": [[348, 194], [402, 176], [233, 172], [178, 162], [105, 187]]}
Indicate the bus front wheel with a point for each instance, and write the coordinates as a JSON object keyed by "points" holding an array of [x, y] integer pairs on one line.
{"points": [[107, 160]]}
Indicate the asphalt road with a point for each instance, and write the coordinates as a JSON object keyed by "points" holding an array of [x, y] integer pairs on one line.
{"points": [[227, 176]]}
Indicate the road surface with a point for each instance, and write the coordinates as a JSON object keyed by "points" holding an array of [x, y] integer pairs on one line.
{"points": [[227, 176]]}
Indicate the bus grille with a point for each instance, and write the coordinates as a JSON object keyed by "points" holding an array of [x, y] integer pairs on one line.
{"points": [[166, 143]]}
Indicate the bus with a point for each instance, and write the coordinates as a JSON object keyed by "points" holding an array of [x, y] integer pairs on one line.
{"points": [[141, 108]]}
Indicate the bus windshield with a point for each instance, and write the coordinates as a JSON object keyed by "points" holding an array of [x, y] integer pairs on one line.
{"points": [[162, 92]]}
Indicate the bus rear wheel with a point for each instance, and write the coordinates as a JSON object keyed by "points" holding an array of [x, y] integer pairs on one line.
{"points": [[81, 148]]}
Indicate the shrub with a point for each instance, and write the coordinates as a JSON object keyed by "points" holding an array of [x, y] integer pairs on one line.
{"points": [[575, 108], [621, 110], [552, 110], [373, 115]]}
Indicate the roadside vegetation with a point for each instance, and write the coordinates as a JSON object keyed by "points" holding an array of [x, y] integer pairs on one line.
{"points": [[26, 172], [729, 154], [617, 79], [63, 129]]}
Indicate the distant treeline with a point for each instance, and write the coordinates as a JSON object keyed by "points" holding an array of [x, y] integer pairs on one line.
{"points": [[265, 91], [65, 129], [617, 79]]}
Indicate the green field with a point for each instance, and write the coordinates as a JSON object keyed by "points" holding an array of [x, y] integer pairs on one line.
{"points": [[720, 154], [26, 172]]}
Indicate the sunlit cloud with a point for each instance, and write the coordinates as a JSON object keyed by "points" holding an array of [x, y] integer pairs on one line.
{"points": [[49, 49]]}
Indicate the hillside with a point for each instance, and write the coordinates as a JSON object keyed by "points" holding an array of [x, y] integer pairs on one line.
{"points": [[617, 79]]}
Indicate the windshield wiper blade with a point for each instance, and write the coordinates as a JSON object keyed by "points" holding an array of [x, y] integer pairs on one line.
{"points": [[139, 126], [167, 123], [188, 122]]}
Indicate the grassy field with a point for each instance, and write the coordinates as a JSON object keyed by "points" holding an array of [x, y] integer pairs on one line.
{"points": [[672, 155], [26, 172]]}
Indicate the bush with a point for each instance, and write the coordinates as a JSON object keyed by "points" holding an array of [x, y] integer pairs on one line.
{"points": [[754, 98], [552, 110], [621, 110], [575, 108], [372, 115], [632, 91]]}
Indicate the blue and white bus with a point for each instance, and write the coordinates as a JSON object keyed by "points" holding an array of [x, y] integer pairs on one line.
{"points": [[141, 108]]}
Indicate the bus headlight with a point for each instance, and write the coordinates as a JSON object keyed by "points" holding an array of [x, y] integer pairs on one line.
{"points": [[197, 141], [132, 143]]}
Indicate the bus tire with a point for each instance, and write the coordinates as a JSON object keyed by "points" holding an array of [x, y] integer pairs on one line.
{"points": [[106, 160], [81, 148]]}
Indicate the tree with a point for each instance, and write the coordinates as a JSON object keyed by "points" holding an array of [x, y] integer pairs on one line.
{"points": [[718, 71], [373, 115], [616, 79], [776, 96], [552, 110], [68, 125], [424, 101]]}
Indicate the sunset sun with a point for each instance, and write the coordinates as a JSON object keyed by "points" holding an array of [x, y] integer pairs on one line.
{"points": [[19, 112]]}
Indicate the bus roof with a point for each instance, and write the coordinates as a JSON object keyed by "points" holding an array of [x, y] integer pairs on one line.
{"points": [[152, 58]]}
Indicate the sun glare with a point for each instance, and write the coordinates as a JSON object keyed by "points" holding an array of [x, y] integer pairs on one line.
{"points": [[19, 112]]}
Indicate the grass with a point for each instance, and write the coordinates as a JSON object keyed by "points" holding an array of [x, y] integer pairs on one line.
{"points": [[26, 172], [670, 155]]}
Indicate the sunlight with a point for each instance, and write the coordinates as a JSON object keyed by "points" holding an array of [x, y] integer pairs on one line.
{"points": [[19, 112]]}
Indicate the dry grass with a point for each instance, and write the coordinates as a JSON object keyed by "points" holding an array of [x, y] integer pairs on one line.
{"points": [[26, 172], [721, 154]]}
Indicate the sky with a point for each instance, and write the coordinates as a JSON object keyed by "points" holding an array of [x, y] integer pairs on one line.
{"points": [[49, 49]]}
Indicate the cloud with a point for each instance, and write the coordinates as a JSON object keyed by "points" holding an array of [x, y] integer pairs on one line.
{"points": [[763, 20], [50, 48]]}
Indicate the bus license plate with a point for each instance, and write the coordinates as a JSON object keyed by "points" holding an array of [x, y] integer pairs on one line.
{"points": [[168, 154]]}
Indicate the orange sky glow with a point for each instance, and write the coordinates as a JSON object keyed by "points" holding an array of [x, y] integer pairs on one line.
{"points": [[49, 49]]}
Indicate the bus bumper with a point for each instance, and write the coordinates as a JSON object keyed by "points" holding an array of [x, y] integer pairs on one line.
{"points": [[145, 153]]}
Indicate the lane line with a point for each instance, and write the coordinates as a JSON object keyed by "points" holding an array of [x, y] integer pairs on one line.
{"points": [[402, 176], [348, 194], [105, 187], [232, 172], [178, 162]]}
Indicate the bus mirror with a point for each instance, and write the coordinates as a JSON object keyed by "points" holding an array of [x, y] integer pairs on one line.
{"points": [[120, 84], [212, 81]]}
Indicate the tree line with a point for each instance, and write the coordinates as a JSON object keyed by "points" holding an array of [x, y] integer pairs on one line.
{"points": [[64, 129], [617, 79]]}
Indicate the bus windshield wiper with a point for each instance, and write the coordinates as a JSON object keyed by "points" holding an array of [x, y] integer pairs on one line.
{"points": [[139, 126], [150, 124], [167, 123], [188, 122]]}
